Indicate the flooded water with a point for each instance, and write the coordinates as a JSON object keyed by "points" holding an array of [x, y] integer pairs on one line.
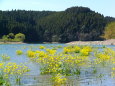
{"points": [[102, 78]]}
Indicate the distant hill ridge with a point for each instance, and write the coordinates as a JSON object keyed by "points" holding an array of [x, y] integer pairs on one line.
{"points": [[73, 24]]}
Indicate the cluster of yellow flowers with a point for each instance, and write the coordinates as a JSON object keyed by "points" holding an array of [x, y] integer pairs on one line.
{"points": [[1, 65], [19, 52], [70, 61], [54, 63], [105, 56], [86, 50], [31, 53], [71, 49], [113, 72], [76, 49], [50, 51], [14, 70], [59, 79], [42, 47]]}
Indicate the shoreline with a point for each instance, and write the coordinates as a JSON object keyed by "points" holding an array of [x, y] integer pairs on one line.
{"points": [[106, 42], [29, 43], [12, 43]]}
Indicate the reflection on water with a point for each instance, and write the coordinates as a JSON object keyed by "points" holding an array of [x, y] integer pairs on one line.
{"points": [[102, 78], [71, 81]]}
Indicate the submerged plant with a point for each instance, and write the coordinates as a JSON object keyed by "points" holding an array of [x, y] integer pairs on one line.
{"points": [[42, 47], [19, 52], [5, 57]]}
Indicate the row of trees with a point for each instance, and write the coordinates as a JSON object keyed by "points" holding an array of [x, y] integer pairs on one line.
{"points": [[13, 38], [76, 23]]}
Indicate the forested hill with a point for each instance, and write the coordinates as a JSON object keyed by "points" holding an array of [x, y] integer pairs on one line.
{"points": [[75, 23]]}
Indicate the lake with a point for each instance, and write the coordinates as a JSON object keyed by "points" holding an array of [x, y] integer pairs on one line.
{"points": [[102, 78]]}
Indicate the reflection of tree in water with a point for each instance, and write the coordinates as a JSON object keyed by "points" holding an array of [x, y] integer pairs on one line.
{"points": [[71, 81], [45, 80]]}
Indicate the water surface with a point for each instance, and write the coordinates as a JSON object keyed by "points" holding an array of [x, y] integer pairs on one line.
{"points": [[35, 79]]}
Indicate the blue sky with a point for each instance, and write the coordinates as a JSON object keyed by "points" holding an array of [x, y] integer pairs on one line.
{"points": [[105, 7]]}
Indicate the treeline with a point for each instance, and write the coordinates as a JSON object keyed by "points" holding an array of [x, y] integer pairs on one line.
{"points": [[76, 23]]}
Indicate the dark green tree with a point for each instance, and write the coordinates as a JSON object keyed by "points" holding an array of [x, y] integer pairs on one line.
{"points": [[73, 24]]}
